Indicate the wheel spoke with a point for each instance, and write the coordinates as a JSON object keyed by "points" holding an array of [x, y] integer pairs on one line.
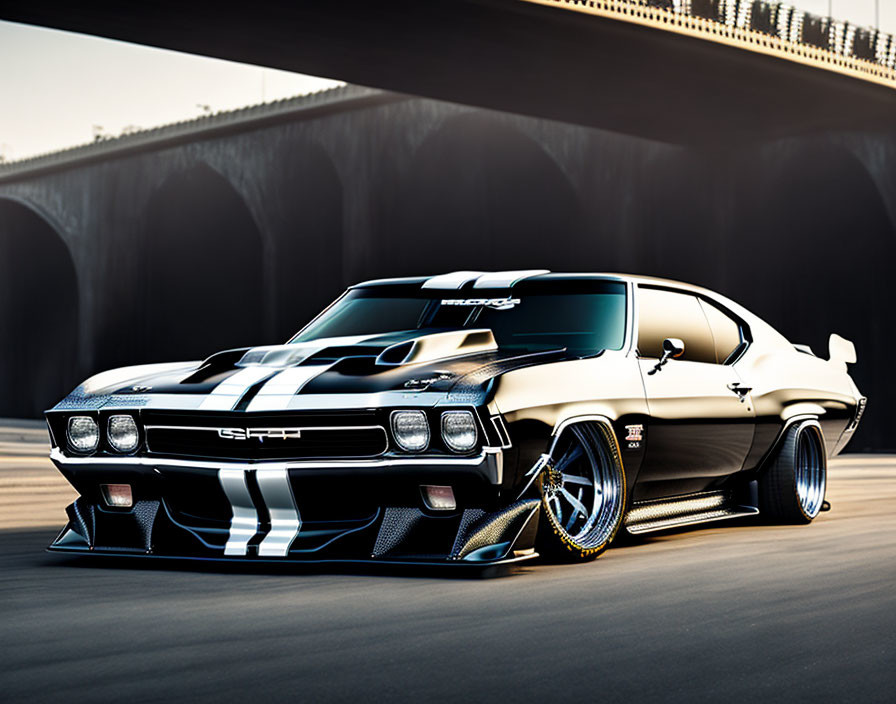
{"points": [[576, 504], [572, 518], [569, 457], [558, 509], [573, 479], [583, 494]]}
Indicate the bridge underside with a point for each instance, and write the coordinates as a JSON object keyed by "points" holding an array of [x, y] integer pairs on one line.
{"points": [[506, 55]]}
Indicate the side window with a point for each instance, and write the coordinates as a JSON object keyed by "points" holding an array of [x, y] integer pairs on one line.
{"points": [[725, 331], [663, 314]]}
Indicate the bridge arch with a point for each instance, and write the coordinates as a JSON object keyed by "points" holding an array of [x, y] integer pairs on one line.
{"points": [[39, 312], [304, 202], [203, 286], [480, 193], [678, 228], [813, 256]]}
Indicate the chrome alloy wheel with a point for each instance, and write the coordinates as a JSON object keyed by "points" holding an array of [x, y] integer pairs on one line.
{"points": [[583, 488], [810, 474]]}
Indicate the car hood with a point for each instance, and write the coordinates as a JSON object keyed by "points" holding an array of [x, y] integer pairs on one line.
{"points": [[455, 366]]}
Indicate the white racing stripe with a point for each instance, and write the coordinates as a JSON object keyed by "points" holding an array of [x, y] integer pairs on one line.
{"points": [[454, 280], [226, 395], [244, 523], [277, 495], [285, 519], [276, 394], [506, 279]]}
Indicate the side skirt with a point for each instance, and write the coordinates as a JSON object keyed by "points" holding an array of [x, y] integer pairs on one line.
{"points": [[690, 509]]}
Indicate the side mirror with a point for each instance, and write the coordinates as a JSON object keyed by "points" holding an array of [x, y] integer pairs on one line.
{"points": [[672, 349]]}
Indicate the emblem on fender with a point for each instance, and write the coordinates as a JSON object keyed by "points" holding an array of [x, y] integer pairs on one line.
{"points": [[260, 433], [635, 436]]}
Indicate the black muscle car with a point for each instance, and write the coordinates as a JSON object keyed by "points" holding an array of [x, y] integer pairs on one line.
{"points": [[467, 418]]}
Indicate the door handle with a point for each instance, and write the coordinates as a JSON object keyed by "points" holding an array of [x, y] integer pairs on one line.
{"points": [[740, 390]]}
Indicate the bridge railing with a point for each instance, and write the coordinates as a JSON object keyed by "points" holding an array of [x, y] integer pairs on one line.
{"points": [[773, 28]]}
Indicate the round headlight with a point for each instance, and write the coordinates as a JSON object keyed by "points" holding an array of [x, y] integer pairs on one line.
{"points": [[83, 433], [123, 435], [411, 430], [459, 430]]}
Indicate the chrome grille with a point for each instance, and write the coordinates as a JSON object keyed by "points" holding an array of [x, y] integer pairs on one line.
{"points": [[264, 437]]}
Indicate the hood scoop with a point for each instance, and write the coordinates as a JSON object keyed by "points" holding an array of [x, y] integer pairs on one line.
{"points": [[279, 356], [438, 346]]}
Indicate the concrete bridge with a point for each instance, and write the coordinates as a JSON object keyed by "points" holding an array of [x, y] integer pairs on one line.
{"points": [[681, 71], [234, 229]]}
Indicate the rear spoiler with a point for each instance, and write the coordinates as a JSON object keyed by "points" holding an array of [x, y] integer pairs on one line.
{"points": [[841, 349]]}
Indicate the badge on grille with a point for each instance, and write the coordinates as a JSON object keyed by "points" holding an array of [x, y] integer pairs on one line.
{"points": [[260, 433]]}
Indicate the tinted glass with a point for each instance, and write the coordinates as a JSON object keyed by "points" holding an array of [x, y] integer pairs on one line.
{"points": [[354, 315], [583, 323], [663, 314], [725, 331]]}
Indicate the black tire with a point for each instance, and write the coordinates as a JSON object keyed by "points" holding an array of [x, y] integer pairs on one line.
{"points": [[792, 488], [582, 494]]}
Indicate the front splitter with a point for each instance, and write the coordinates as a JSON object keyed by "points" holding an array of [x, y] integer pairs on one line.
{"points": [[455, 564]]}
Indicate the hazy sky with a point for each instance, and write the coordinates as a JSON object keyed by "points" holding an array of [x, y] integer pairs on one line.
{"points": [[56, 86]]}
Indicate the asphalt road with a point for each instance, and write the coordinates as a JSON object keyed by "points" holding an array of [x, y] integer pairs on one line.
{"points": [[728, 613]]}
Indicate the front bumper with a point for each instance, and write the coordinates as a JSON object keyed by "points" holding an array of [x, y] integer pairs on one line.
{"points": [[313, 511]]}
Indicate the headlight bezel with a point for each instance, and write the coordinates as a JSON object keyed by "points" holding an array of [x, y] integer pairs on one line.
{"points": [[70, 440], [394, 419], [449, 416], [113, 445]]}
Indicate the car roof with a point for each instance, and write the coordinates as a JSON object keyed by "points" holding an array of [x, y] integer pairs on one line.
{"points": [[508, 279], [470, 281]]}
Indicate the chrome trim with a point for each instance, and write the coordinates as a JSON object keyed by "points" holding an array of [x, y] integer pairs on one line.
{"points": [[502, 431], [811, 469], [301, 428], [506, 279], [361, 464], [298, 403], [244, 523], [53, 441], [286, 522], [411, 399], [543, 461], [631, 319], [861, 402], [454, 280], [582, 419]]}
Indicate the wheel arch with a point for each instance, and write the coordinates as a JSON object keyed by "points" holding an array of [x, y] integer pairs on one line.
{"points": [[597, 433], [788, 422], [532, 437]]}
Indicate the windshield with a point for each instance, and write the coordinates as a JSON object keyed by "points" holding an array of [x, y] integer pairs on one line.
{"points": [[529, 320]]}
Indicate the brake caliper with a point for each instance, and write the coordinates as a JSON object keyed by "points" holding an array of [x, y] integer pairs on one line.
{"points": [[552, 480]]}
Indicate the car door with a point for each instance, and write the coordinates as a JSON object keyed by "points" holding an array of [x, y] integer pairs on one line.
{"points": [[701, 419]]}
